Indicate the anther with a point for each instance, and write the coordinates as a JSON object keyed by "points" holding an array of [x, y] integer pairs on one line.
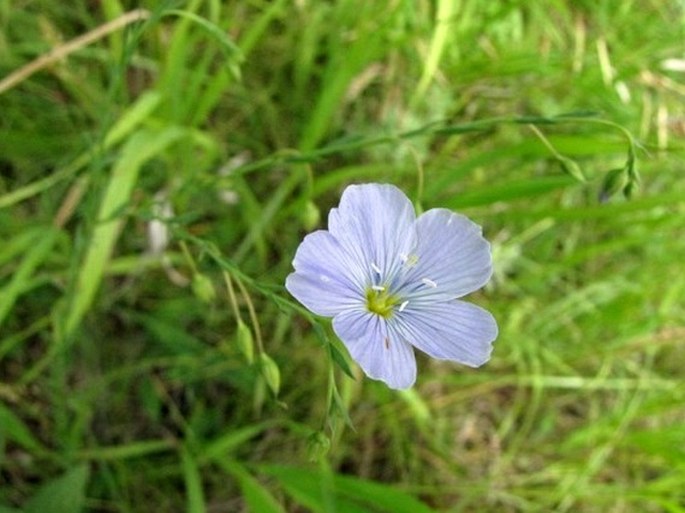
{"points": [[429, 283], [403, 306], [379, 288], [412, 260], [375, 268]]}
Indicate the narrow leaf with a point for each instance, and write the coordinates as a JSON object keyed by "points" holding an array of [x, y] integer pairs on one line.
{"points": [[257, 496], [34, 257], [66, 494], [308, 486], [13, 428], [141, 147], [136, 114], [219, 448], [193, 481]]}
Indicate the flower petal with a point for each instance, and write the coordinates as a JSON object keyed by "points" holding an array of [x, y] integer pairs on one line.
{"points": [[325, 279], [453, 258], [379, 353], [375, 224], [452, 330]]}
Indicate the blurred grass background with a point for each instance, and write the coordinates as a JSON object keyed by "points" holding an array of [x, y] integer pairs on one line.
{"points": [[160, 163]]}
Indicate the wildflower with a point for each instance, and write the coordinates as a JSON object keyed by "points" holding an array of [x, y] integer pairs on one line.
{"points": [[391, 280]]}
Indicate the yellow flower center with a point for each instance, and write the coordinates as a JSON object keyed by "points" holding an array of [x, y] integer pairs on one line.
{"points": [[380, 301]]}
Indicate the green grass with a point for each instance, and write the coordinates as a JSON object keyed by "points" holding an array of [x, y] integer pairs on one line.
{"points": [[187, 379]]}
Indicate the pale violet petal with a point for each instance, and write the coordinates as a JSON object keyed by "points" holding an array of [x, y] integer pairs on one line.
{"points": [[326, 299], [375, 224], [321, 253], [450, 330], [324, 280], [381, 354], [451, 259]]}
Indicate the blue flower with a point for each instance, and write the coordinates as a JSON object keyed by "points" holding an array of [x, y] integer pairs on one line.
{"points": [[391, 280]]}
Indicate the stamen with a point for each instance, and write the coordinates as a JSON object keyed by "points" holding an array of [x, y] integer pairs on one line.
{"points": [[375, 268], [429, 283], [404, 257], [379, 288], [403, 306]]}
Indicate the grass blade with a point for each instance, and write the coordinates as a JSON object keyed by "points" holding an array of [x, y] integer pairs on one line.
{"points": [[193, 480], [142, 146], [310, 486], [44, 241], [66, 494], [257, 497], [13, 428]]}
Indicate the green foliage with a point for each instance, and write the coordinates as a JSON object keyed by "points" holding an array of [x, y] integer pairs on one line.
{"points": [[65, 494], [158, 168], [321, 492]]}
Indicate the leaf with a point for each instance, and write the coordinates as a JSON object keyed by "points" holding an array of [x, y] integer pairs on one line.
{"points": [[444, 30], [138, 449], [142, 146], [381, 496], [66, 494], [193, 483], [217, 449], [136, 114], [20, 243], [41, 248], [221, 36], [314, 489], [579, 114], [340, 360], [13, 428], [257, 496]]}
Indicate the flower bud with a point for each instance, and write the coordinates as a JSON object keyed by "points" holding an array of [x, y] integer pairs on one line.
{"points": [[245, 341], [318, 445], [271, 373], [203, 288], [614, 181], [571, 168], [310, 216]]}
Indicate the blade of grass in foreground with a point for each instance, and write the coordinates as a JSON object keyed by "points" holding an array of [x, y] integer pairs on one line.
{"points": [[65, 494], [256, 496], [318, 492], [193, 483], [13, 429], [43, 241], [142, 146]]}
